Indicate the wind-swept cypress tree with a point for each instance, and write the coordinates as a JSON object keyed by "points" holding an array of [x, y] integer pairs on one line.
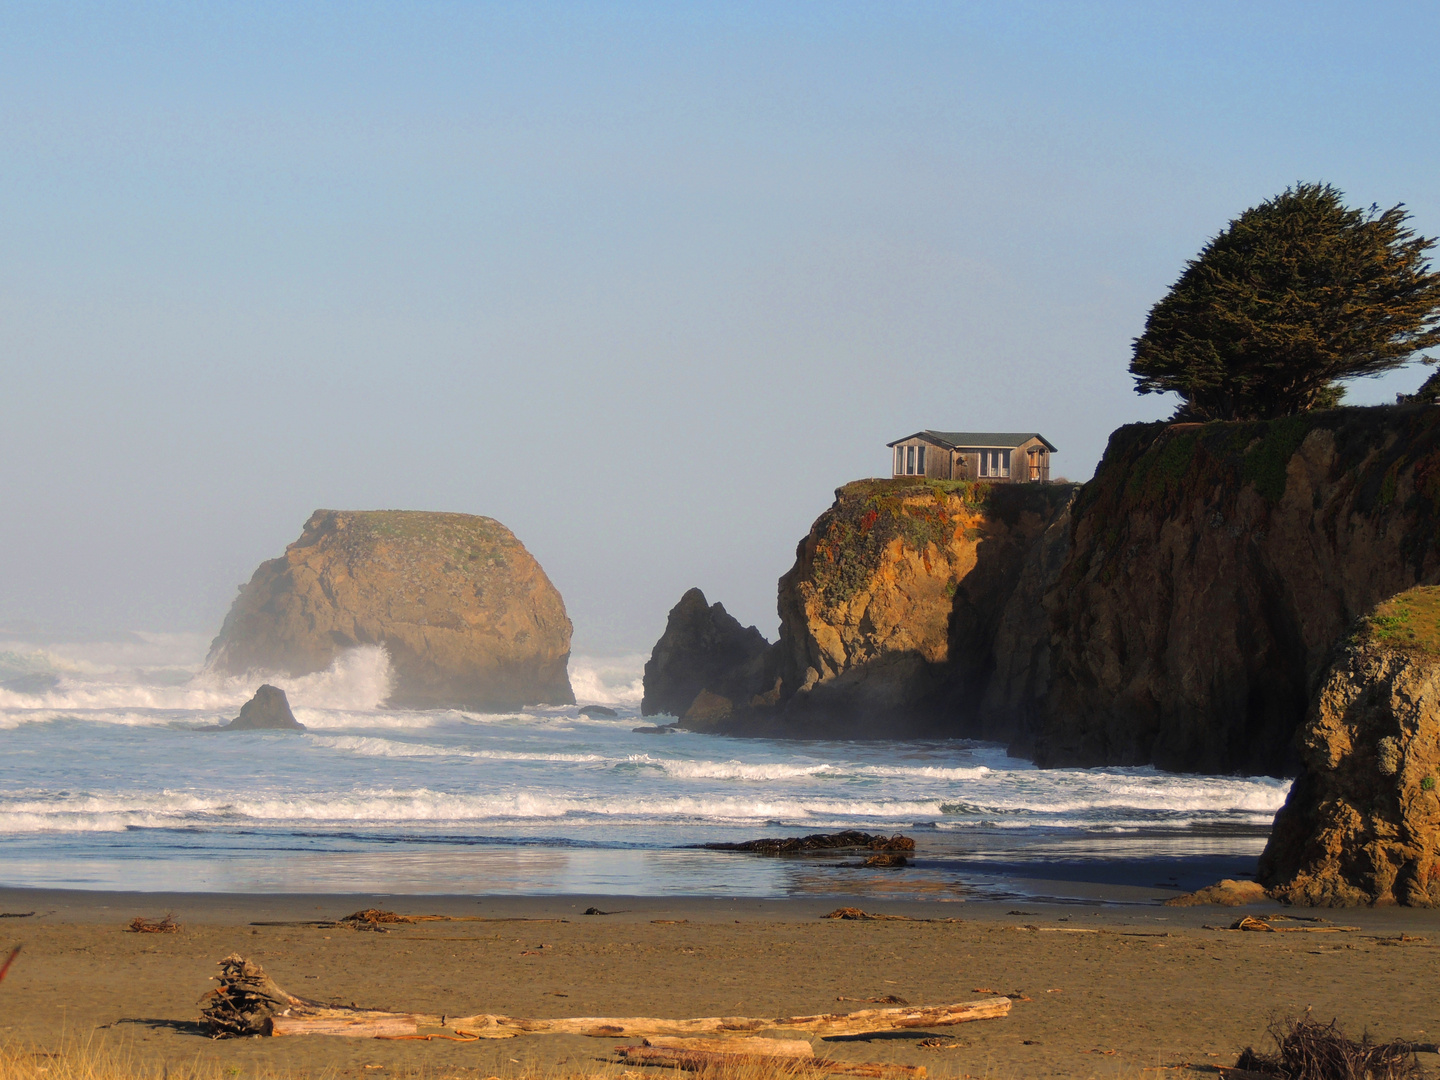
{"points": [[1296, 294]]}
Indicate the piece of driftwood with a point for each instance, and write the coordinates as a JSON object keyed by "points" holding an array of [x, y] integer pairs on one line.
{"points": [[850, 838], [1250, 923], [249, 1002], [856, 914], [8, 961], [699, 1060]]}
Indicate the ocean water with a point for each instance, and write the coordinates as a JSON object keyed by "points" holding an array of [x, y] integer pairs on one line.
{"points": [[109, 780]]}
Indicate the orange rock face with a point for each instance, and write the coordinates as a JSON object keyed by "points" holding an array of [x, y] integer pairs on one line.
{"points": [[892, 609], [1362, 822], [466, 613]]}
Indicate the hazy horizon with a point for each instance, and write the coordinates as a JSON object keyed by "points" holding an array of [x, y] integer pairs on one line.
{"points": [[645, 283]]}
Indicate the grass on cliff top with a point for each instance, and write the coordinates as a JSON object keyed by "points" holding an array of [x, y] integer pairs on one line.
{"points": [[464, 538], [1408, 620]]}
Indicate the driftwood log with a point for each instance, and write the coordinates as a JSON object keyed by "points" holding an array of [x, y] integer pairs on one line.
{"points": [[249, 1002]]}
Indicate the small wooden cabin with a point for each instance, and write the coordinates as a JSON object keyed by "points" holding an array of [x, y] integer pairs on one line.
{"points": [[1007, 457]]}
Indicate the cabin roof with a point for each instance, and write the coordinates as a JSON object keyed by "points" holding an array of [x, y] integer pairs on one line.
{"points": [[988, 440]]}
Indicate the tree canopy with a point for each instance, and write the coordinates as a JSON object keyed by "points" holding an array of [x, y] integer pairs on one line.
{"points": [[1293, 296]]}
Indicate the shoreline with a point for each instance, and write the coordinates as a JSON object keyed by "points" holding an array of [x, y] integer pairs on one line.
{"points": [[1106, 988]]}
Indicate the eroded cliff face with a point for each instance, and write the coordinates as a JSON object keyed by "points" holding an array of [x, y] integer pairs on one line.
{"points": [[889, 617], [466, 613], [1212, 569], [1362, 822], [890, 614]]}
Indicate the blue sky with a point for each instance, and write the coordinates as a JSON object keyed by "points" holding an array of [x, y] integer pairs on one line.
{"points": [[644, 282]]}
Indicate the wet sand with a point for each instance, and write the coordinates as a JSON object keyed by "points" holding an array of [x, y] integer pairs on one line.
{"points": [[1115, 987]]}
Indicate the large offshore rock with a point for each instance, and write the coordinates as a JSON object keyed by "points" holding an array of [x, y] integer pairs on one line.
{"points": [[705, 655], [1213, 568], [1362, 822], [467, 615], [267, 710]]}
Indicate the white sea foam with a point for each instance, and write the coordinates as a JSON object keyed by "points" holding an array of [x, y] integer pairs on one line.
{"points": [[357, 679], [613, 680], [394, 809]]}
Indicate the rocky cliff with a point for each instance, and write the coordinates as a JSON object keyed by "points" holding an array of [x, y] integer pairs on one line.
{"points": [[1362, 822], [466, 613], [1212, 569], [888, 619], [705, 662]]}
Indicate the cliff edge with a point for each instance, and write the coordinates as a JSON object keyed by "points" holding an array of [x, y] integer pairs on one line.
{"points": [[1212, 570], [467, 615], [889, 617]]}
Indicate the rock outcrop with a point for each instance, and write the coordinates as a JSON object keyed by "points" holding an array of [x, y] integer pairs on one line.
{"points": [[1362, 822], [704, 664], [889, 617], [268, 710], [1213, 568], [467, 615]]}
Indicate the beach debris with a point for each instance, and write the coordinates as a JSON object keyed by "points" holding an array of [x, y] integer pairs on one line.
{"points": [[936, 1043], [597, 911], [888, 999], [8, 961], [165, 925], [700, 1055], [789, 845], [1265, 924], [16, 914], [1306, 1049], [374, 918], [856, 914], [248, 1002], [1401, 939], [1227, 892]]}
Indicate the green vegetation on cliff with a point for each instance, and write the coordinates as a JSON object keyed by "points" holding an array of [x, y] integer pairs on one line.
{"points": [[868, 515], [1153, 469], [1409, 621]]}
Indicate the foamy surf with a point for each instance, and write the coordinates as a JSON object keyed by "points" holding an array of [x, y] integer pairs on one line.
{"points": [[116, 776]]}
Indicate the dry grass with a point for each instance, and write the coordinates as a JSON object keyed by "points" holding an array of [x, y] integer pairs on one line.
{"points": [[1409, 620], [104, 1060]]}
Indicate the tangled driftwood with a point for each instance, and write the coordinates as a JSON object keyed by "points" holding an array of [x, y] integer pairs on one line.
{"points": [[165, 925], [1308, 1050], [249, 1002]]}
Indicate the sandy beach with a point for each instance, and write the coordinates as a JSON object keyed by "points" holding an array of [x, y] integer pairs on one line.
{"points": [[1103, 989]]}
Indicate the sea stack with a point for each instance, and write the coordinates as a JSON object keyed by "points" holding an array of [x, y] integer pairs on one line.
{"points": [[268, 710], [466, 614], [1362, 822]]}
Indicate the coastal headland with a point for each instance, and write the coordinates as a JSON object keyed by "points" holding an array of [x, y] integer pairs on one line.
{"points": [[1177, 610], [1099, 989]]}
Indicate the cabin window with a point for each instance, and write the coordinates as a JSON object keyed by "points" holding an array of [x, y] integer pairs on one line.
{"points": [[899, 461], [920, 460], [994, 462], [910, 461]]}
